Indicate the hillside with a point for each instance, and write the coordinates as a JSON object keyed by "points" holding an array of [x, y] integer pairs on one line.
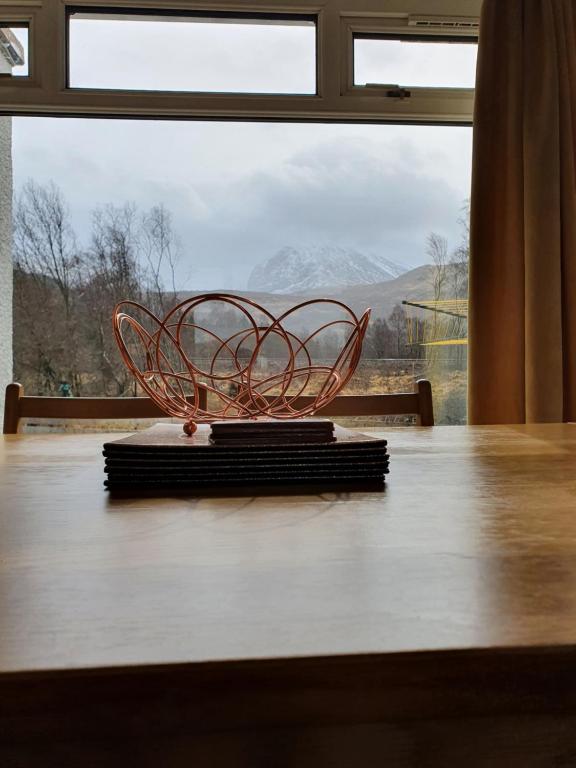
{"points": [[382, 297]]}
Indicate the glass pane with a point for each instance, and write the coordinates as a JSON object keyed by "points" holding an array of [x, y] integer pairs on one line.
{"points": [[13, 50], [425, 64], [373, 215], [156, 53]]}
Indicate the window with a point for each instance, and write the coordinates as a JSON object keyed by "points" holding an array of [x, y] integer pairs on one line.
{"points": [[221, 54], [433, 62], [303, 63], [13, 50], [271, 147]]}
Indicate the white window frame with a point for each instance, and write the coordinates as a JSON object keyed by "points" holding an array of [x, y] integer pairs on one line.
{"points": [[45, 92]]}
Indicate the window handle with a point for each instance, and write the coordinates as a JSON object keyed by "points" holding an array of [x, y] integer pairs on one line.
{"points": [[392, 91], [398, 93]]}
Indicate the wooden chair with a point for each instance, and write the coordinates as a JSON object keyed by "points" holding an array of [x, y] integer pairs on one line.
{"points": [[19, 406], [417, 403]]}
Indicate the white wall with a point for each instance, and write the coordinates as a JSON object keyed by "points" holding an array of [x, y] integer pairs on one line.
{"points": [[5, 248]]}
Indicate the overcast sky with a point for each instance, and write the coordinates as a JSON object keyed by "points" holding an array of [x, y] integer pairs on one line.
{"points": [[239, 192]]}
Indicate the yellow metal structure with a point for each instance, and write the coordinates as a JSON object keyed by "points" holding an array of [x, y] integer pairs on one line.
{"points": [[446, 327], [453, 307]]}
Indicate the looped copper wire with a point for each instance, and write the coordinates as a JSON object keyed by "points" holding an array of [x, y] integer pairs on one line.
{"points": [[156, 352]]}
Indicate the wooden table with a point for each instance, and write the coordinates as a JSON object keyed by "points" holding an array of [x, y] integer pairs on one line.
{"points": [[432, 624]]}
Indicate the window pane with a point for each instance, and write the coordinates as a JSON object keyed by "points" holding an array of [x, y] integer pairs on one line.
{"points": [[373, 215], [418, 63], [156, 53], [13, 50]]}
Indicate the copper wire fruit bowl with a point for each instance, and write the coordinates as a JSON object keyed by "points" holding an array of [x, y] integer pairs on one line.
{"points": [[220, 356]]}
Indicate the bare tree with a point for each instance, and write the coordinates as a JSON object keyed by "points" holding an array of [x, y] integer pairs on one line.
{"points": [[459, 264], [36, 333], [112, 256], [113, 273], [49, 270], [44, 242], [397, 322], [379, 341], [464, 222], [437, 250], [161, 251], [461, 257]]}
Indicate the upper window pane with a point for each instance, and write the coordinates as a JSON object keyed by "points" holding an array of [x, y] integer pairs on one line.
{"points": [[13, 50], [192, 53], [414, 62]]}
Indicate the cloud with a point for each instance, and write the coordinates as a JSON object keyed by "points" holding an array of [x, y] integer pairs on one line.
{"points": [[352, 193], [239, 193], [337, 194]]}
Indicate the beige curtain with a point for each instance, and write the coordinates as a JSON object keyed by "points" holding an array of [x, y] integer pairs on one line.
{"points": [[522, 353]]}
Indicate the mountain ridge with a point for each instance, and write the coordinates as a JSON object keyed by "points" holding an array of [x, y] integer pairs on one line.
{"points": [[308, 269], [415, 284]]}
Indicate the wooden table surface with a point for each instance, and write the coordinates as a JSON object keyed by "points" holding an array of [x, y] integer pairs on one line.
{"points": [[306, 611]]}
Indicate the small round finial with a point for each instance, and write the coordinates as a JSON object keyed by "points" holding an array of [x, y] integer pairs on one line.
{"points": [[190, 427]]}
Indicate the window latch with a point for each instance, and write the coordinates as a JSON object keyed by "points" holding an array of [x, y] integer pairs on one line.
{"points": [[398, 93], [391, 91]]}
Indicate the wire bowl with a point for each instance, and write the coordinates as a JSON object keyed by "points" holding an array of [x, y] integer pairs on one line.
{"points": [[220, 356]]}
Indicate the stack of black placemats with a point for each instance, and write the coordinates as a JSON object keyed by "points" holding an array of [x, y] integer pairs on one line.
{"points": [[162, 458]]}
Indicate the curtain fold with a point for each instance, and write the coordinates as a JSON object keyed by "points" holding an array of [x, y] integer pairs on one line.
{"points": [[522, 317]]}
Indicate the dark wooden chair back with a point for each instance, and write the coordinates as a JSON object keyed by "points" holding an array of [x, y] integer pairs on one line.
{"points": [[19, 406], [417, 403]]}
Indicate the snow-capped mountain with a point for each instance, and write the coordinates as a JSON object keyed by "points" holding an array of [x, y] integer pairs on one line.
{"points": [[313, 269]]}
